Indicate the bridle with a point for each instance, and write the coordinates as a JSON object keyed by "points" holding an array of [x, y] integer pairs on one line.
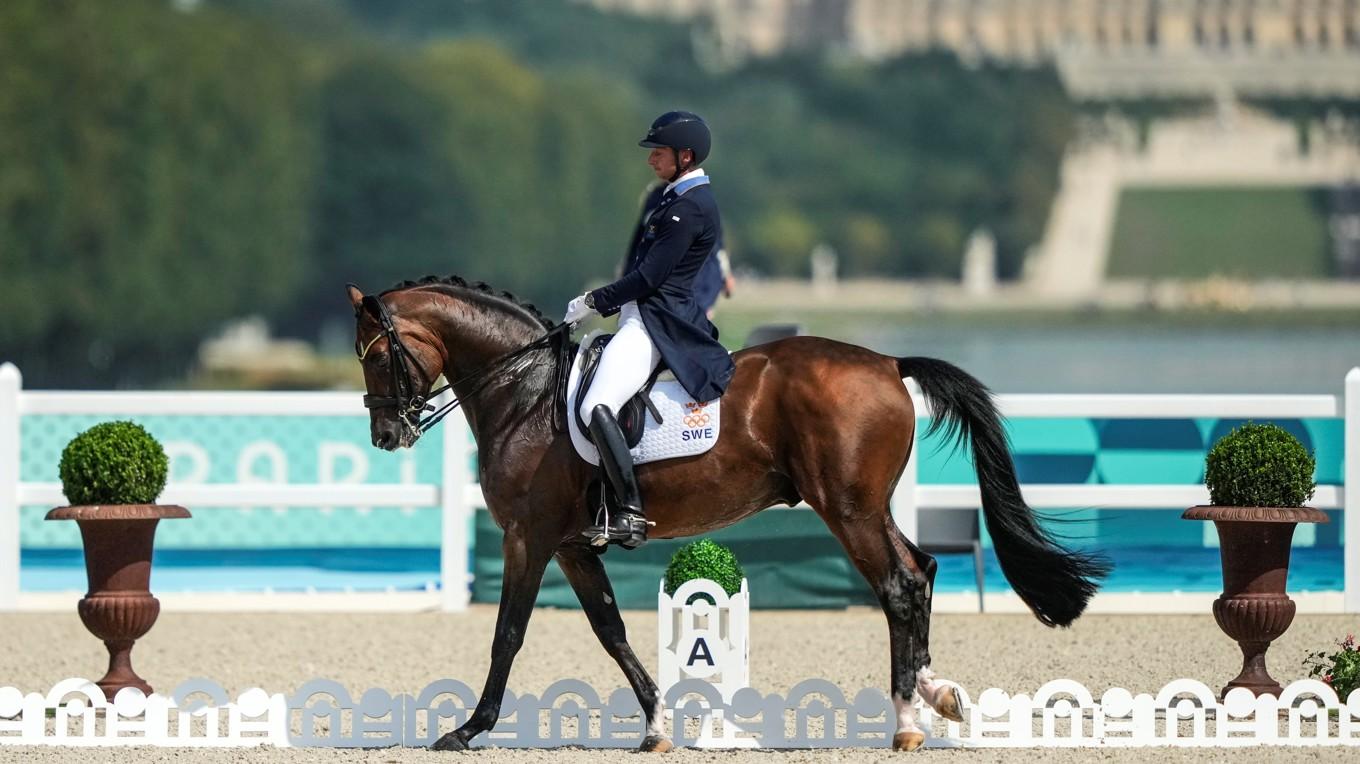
{"points": [[412, 406]]}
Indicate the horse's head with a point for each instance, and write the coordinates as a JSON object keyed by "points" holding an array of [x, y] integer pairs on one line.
{"points": [[400, 363]]}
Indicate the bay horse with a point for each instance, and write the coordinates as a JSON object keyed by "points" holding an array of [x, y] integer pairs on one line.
{"points": [[804, 419]]}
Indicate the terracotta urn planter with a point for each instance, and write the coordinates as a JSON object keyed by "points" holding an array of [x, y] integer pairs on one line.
{"points": [[1254, 609], [119, 608]]}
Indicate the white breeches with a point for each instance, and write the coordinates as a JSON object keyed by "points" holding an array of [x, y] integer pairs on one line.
{"points": [[627, 362]]}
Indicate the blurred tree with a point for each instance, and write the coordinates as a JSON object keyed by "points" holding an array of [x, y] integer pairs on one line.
{"points": [[785, 239], [867, 244], [546, 163], [388, 206], [593, 174], [155, 184], [933, 244]]}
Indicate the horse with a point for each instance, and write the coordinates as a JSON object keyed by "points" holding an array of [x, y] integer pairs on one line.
{"points": [[804, 419]]}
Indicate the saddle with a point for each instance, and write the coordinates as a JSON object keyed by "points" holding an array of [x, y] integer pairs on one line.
{"points": [[632, 415]]}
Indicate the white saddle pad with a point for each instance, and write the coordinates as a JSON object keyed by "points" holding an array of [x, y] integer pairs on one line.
{"points": [[688, 427]]}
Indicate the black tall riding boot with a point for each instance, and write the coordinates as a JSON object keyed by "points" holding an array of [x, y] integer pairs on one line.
{"points": [[628, 526]]}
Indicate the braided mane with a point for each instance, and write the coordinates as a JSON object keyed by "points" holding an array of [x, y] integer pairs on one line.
{"points": [[481, 287]]}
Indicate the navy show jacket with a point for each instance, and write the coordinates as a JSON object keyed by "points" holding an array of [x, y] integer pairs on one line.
{"points": [[670, 248], [710, 281]]}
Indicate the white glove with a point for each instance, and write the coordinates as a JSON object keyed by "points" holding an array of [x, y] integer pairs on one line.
{"points": [[577, 310]]}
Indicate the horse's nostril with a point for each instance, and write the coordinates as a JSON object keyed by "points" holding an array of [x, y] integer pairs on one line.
{"points": [[383, 440]]}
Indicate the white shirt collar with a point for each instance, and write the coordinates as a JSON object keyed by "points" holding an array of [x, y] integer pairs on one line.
{"points": [[695, 173]]}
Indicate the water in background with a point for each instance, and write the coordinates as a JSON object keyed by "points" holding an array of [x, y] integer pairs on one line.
{"points": [[1132, 358]]}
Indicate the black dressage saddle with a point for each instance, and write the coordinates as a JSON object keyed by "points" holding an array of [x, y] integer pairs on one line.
{"points": [[632, 418]]}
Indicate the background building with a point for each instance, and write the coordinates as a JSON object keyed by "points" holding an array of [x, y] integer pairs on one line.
{"points": [[1104, 48]]}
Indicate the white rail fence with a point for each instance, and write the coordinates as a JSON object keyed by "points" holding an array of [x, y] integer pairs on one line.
{"points": [[458, 494]]}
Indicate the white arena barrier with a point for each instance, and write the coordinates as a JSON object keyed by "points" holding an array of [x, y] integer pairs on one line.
{"points": [[813, 714]]}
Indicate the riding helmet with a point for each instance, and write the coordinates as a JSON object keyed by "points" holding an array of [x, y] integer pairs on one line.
{"points": [[680, 130]]}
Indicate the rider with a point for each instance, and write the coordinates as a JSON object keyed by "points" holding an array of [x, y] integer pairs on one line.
{"points": [[658, 317]]}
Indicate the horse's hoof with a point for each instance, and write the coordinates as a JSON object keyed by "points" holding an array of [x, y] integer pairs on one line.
{"points": [[908, 740], [656, 744], [449, 742], [951, 706]]}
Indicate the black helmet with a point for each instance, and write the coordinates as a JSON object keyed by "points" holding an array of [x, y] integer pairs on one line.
{"points": [[680, 130]]}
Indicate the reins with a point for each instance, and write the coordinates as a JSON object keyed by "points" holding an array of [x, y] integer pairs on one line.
{"points": [[562, 330], [411, 406]]}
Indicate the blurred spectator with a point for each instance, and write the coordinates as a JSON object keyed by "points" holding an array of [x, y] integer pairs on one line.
{"points": [[715, 279]]}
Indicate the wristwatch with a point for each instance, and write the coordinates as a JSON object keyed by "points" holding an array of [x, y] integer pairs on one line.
{"points": [[590, 300]]}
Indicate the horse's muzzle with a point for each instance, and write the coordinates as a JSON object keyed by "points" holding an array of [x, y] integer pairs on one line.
{"points": [[388, 436]]}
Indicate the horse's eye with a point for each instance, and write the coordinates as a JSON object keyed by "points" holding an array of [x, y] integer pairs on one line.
{"points": [[382, 360]]}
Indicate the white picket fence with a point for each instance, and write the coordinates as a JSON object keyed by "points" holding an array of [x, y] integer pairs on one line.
{"points": [[814, 713], [458, 494]]}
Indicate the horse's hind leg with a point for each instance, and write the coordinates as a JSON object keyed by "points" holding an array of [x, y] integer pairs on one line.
{"points": [[902, 577], [942, 697], [588, 579]]}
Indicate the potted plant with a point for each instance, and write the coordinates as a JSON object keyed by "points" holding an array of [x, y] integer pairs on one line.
{"points": [[704, 615], [112, 474], [1258, 477], [704, 559]]}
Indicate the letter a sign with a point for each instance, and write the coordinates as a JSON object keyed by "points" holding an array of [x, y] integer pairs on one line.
{"points": [[700, 652], [704, 653]]}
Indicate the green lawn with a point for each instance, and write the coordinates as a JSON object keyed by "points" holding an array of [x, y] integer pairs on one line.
{"points": [[1240, 232]]}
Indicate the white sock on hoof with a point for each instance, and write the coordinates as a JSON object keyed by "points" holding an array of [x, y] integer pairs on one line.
{"points": [[658, 726], [906, 715], [928, 688]]}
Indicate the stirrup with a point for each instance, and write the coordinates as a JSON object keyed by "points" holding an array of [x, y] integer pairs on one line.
{"points": [[626, 528]]}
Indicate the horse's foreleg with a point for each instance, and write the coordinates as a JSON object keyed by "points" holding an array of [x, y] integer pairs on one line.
{"points": [[591, 584], [525, 561]]}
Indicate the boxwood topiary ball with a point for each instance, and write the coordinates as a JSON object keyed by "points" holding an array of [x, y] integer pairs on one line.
{"points": [[704, 559], [1259, 465], [113, 463]]}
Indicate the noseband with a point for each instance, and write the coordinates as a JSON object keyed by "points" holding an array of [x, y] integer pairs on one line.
{"points": [[410, 405]]}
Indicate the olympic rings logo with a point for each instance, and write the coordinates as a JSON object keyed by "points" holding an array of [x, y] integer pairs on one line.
{"points": [[697, 420]]}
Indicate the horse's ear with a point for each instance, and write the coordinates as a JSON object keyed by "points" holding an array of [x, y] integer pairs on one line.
{"points": [[371, 306], [356, 297]]}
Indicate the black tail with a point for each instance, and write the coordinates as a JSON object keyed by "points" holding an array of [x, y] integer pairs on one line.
{"points": [[1056, 584]]}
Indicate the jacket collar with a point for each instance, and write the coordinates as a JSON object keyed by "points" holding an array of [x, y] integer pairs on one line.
{"points": [[695, 177]]}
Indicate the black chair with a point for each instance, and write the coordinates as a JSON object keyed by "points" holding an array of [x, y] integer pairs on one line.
{"points": [[770, 332], [952, 531]]}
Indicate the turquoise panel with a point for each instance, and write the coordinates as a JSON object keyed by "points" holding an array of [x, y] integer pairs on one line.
{"points": [[1329, 437], [938, 461], [1150, 467], [229, 449], [224, 449], [1052, 436], [263, 528]]}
